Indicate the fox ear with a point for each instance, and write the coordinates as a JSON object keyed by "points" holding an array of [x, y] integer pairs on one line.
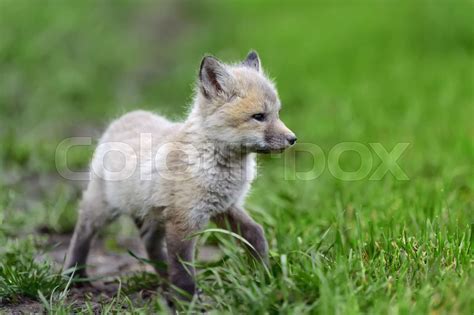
{"points": [[252, 61], [214, 79]]}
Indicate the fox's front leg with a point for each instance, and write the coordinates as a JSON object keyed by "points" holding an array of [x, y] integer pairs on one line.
{"points": [[241, 223], [180, 246]]}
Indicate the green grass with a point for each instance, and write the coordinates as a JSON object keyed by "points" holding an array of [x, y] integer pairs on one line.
{"points": [[21, 276], [368, 72]]}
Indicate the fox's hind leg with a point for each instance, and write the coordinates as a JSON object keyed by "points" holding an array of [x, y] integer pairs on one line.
{"points": [[152, 233], [93, 215]]}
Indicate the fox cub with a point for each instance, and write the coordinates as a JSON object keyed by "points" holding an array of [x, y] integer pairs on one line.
{"points": [[172, 178]]}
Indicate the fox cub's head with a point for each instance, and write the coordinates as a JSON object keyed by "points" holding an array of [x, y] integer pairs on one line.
{"points": [[239, 105]]}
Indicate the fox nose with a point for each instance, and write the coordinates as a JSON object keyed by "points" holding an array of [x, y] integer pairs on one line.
{"points": [[292, 139]]}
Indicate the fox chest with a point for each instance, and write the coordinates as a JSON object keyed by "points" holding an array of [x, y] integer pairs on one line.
{"points": [[224, 186]]}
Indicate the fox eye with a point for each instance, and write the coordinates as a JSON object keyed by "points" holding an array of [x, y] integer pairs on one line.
{"points": [[259, 116]]}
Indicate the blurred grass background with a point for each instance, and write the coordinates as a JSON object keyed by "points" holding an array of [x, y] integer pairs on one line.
{"points": [[361, 71]]}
